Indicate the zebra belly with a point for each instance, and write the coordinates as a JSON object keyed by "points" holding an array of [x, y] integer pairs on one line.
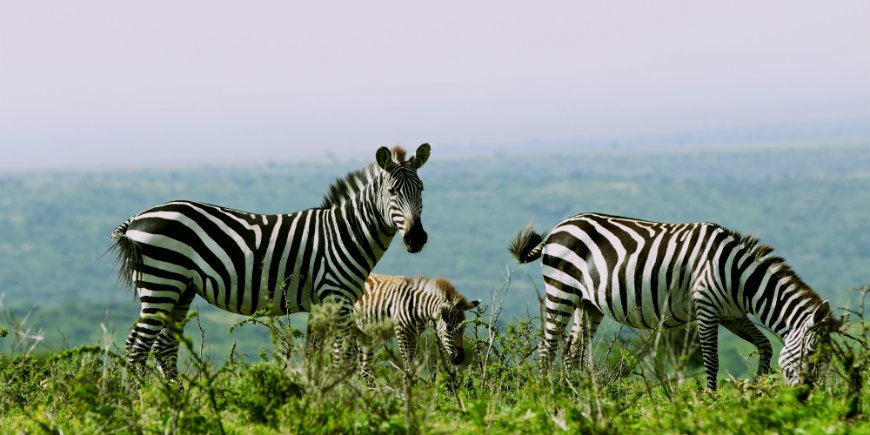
{"points": [[667, 310], [621, 294], [293, 295]]}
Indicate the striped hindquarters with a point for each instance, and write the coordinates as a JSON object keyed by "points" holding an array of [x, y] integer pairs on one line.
{"points": [[229, 257], [638, 272]]}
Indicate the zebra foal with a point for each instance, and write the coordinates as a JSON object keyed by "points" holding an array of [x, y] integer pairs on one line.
{"points": [[413, 304], [245, 262], [650, 274]]}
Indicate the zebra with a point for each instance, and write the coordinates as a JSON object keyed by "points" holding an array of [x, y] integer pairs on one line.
{"points": [[648, 274], [246, 263], [412, 303]]}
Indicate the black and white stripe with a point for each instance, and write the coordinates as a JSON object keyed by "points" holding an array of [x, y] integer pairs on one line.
{"points": [[650, 274], [245, 262], [412, 304]]}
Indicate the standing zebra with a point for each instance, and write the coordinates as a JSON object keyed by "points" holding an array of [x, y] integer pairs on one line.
{"points": [[649, 274], [244, 262], [412, 304]]}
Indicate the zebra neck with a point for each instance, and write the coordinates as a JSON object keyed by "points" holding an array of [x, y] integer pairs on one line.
{"points": [[777, 297], [363, 219], [430, 301]]}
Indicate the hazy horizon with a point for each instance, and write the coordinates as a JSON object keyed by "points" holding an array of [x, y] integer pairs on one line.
{"points": [[99, 84]]}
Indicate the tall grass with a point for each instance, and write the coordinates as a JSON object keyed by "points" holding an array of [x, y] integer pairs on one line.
{"points": [[640, 385]]}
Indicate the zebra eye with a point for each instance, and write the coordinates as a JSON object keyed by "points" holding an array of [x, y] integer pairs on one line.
{"points": [[392, 191]]}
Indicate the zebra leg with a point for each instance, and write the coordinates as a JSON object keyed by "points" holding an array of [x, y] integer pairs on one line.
{"points": [[586, 321], [745, 329], [313, 340], [557, 311], [165, 347], [708, 330], [143, 335], [407, 340], [345, 347], [366, 356], [351, 354]]}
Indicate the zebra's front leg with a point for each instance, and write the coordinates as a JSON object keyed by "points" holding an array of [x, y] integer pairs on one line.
{"points": [[345, 348], [366, 355], [745, 329], [407, 341], [708, 330]]}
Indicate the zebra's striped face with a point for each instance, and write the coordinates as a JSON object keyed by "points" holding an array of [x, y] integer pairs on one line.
{"points": [[799, 358], [450, 326], [402, 194]]}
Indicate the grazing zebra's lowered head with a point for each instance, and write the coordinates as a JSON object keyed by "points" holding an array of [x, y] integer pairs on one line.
{"points": [[412, 304], [798, 357]]}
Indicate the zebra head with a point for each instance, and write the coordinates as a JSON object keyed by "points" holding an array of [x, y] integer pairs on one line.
{"points": [[798, 358], [402, 195], [450, 326]]}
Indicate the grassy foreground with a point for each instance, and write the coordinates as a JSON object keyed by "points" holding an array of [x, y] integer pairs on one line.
{"points": [[634, 387]]}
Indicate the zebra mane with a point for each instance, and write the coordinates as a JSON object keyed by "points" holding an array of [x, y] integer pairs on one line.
{"points": [[760, 252], [447, 291], [355, 181]]}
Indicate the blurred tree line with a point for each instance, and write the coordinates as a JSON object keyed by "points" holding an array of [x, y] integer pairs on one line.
{"points": [[812, 204]]}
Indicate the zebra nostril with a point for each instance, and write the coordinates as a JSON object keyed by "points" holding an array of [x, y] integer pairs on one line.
{"points": [[415, 239]]}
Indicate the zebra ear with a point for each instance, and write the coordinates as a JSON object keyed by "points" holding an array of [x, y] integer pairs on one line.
{"points": [[384, 157], [822, 312], [466, 305], [420, 157]]}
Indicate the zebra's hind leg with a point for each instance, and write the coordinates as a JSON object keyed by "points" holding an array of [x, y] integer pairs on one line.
{"points": [[745, 329], [559, 304], [156, 308], [577, 349], [142, 337], [165, 347]]}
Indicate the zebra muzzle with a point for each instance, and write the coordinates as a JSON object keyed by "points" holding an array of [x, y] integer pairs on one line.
{"points": [[415, 239]]}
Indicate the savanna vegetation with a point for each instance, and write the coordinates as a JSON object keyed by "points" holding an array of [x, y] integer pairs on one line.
{"points": [[63, 319], [643, 384]]}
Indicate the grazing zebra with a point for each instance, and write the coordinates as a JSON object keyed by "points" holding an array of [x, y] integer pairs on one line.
{"points": [[412, 304], [245, 262], [649, 274]]}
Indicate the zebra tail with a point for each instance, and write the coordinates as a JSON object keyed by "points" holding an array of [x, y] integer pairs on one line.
{"points": [[526, 246], [128, 254]]}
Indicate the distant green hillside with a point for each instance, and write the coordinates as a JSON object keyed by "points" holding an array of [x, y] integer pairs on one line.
{"points": [[811, 204]]}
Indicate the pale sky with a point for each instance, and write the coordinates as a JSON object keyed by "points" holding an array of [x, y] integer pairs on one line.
{"points": [[119, 83]]}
